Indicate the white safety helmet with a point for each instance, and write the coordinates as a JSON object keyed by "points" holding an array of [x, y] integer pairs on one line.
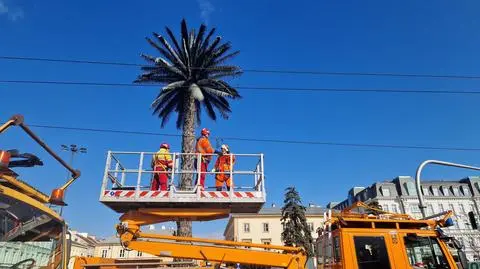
{"points": [[225, 147]]}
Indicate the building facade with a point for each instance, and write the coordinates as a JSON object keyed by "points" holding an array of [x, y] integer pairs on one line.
{"points": [[81, 245], [13, 252], [266, 227], [400, 196], [111, 248]]}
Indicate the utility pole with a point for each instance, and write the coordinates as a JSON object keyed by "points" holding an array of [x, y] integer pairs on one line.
{"points": [[74, 149], [419, 173]]}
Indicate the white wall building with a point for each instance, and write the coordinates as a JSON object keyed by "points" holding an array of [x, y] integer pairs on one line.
{"points": [[111, 248], [265, 227], [400, 195]]}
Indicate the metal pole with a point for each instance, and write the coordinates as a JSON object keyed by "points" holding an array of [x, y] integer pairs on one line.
{"points": [[418, 178]]}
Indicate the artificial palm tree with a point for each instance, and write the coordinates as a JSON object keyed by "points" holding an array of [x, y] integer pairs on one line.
{"points": [[191, 70]]}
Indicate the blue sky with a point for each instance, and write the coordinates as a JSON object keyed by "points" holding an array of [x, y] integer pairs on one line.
{"points": [[437, 37]]}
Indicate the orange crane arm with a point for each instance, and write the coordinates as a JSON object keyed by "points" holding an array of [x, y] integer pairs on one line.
{"points": [[219, 251]]}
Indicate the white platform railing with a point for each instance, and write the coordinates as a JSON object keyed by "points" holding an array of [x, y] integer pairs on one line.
{"points": [[133, 171]]}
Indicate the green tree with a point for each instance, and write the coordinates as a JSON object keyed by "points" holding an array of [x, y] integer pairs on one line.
{"points": [[191, 70], [296, 231]]}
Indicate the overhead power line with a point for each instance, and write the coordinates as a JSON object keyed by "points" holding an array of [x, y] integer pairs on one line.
{"points": [[271, 71], [282, 141], [284, 89]]}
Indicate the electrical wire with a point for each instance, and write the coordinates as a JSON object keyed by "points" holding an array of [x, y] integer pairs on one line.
{"points": [[283, 89], [282, 141], [267, 71]]}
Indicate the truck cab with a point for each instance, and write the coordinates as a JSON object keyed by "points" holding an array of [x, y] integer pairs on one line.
{"points": [[384, 240]]}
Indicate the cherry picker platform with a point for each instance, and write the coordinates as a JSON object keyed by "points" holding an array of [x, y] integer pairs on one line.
{"points": [[127, 177]]}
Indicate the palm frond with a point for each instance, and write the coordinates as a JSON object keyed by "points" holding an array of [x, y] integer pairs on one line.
{"points": [[175, 43], [209, 108], [213, 91], [163, 52], [162, 100], [198, 110], [229, 56], [170, 50]]}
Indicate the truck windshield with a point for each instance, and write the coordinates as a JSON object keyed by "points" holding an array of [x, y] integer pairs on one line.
{"points": [[29, 238], [425, 252]]}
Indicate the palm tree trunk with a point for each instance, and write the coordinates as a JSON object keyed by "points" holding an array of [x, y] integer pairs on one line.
{"points": [[184, 228]]}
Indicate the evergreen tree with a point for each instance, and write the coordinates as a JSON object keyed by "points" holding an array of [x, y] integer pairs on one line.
{"points": [[296, 232]]}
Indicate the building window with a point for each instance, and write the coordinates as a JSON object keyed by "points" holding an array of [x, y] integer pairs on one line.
{"points": [[266, 228], [425, 191], [385, 191], [246, 227], [267, 241], [247, 241], [451, 207], [442, 208], [466, 191], [444, 191], [410, 188], [139, 254], [472, 208], [455, 191], [385, 208], [430, 209], [104, 253], [122, 253], [462, 209], [414, 209], [310, 226], [394, 208]]}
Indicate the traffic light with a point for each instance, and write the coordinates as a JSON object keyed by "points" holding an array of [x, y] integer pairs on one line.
{"points": [[473, 220]]}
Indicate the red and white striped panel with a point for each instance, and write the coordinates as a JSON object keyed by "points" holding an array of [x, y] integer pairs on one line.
{"points": [[143, 194], [153, 194], [226, 194]]}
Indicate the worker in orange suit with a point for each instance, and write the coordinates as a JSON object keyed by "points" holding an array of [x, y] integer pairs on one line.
{"points": [[204, 147], [161, 162], [224, 165]]}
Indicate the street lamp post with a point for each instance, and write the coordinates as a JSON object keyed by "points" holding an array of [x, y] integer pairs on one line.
{"points": [[418, 178], [74, 149]]}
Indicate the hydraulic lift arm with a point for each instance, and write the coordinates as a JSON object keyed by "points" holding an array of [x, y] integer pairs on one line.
{"points": [[217, 251], [57, 196]]}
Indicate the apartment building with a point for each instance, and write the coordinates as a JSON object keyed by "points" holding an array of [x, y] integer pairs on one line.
{"points": [[265, 227]]}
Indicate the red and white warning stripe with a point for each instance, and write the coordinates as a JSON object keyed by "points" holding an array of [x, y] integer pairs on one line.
{"points": [[153, 194], [226, 194], [113, 193], [143, 194]]}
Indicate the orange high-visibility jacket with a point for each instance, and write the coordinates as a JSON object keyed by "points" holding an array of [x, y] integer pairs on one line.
{"points": [[204, 147], [223, 163]]}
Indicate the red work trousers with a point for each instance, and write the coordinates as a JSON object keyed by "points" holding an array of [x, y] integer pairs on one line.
{"points": [[160, 180], [203, 169]]}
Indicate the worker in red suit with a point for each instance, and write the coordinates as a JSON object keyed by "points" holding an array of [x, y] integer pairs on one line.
{"points": [[204, 147], [161, 162], [224, 165]]}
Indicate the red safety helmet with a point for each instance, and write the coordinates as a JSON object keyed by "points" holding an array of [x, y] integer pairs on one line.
{"points": [[165, 145], [205, 131]]}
